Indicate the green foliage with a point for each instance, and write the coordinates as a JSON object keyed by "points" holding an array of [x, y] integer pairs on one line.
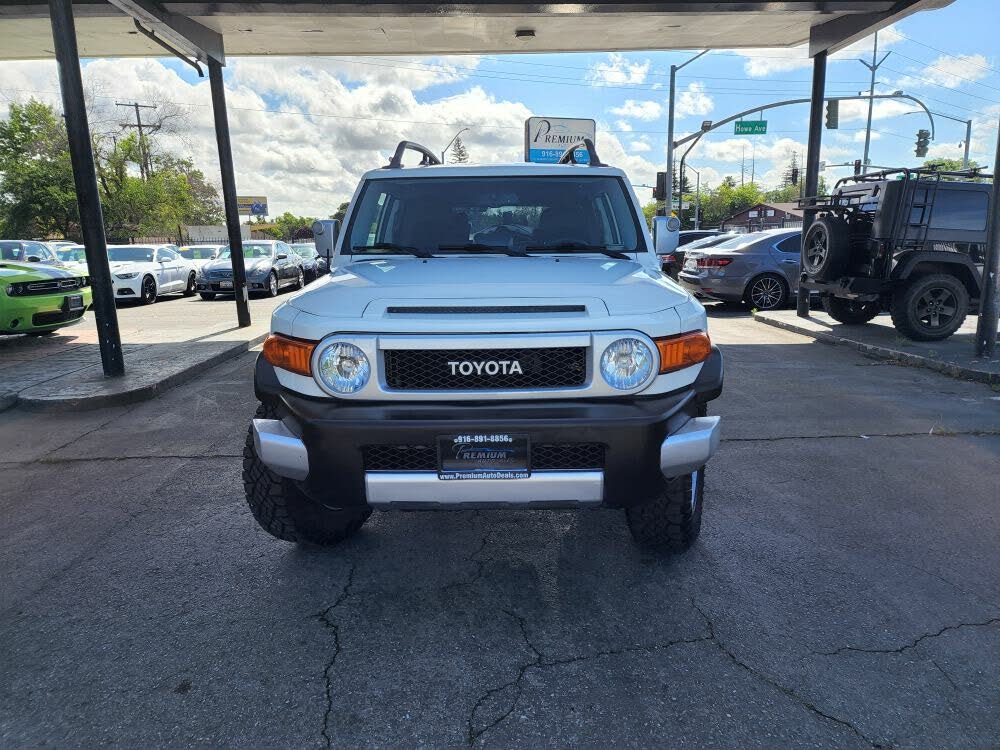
{"points": [[341, 211], [949, 165], [38, 196], [649, 211], [289, 227], [459, 153]]}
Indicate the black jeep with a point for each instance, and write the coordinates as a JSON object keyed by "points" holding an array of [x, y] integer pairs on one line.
{"points": [[910, 241]]}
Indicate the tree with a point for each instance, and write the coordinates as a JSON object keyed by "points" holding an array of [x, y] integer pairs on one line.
{"points": [[37, 193], [459, 153], [949, 165], [649, 211], [288, 226], [341, 211]]}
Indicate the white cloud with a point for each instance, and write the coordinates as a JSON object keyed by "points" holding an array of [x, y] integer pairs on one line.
{"points": [[640, 147], [952, 72], [760, 63], [623, 126], [617, 69], [639, 110], [694, 101]]}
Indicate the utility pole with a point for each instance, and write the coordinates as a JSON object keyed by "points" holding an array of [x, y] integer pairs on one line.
{"points": [[145, 163], [873, 67], [989, 300], [669, 197]]}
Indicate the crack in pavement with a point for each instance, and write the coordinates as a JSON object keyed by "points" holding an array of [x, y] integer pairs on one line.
{"points": [[784, 689], [334, 627], [911, 645], [541, 662], [474, 559]]}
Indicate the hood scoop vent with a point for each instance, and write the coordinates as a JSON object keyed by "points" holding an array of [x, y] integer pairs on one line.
{"points": [[484, 309]]}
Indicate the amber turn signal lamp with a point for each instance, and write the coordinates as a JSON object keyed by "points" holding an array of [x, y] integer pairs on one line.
{"points": [[289, 354], [683, 351]]}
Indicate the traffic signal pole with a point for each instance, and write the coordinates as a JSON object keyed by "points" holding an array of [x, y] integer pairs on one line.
{"points": [[812, 164], [989, 300]]}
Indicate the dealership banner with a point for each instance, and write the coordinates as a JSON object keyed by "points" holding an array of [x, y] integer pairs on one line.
{"points": [[547, 138]]}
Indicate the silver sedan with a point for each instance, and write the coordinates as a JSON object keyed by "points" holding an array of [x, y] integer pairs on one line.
{"points": [[760, 269]]}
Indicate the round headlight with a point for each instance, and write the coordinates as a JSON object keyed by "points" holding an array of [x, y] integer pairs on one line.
{"points": [[626, 364], [343, 368]]}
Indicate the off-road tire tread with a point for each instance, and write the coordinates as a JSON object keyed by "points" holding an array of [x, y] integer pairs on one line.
{"points": [[839, 309], [667, 523], [839, 253], [272, 498], [901, 302]]}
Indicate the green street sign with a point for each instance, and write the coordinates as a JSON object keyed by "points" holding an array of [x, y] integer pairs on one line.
{"points": [[750, 127]]}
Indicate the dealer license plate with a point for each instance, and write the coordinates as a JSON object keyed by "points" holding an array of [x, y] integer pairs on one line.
{"points": [[74, 302], [225, 285], [483, 456]]}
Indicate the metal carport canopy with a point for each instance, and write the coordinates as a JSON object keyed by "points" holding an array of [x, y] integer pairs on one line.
{"points": [[321, 27]]}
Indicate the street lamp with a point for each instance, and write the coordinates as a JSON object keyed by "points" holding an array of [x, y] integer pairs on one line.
{"points": [[452, 141], [670, 129]]}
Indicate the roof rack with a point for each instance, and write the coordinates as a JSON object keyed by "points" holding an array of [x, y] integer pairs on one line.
{"points": [[428, 157], [569, 156]]}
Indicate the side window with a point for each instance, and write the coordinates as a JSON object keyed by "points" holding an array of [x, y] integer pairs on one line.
{"points": [[38, 249], [283, 248], [959, 209], [791, 244], [610, 235]]}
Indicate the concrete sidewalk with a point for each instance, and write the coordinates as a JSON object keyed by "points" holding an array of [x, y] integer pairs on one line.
{"points": [[954, 356], [164, 344]]}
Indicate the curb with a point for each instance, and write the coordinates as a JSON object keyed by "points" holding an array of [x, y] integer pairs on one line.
{"points": [[134, 394], [893, 355]]}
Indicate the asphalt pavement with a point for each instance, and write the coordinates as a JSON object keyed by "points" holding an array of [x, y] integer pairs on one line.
{"points": [[845, 591]]}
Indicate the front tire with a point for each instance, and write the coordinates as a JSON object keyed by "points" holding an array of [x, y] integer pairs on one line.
{"points": [[272, 285], [671, 522], [301, 282], [207, 296], [191, 287], [767, 292], [930, 308], [284, 511], [147, 291], [850, 311]]}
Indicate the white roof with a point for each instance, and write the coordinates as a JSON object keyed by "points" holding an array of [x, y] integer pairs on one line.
{"points": [[514, 169]]}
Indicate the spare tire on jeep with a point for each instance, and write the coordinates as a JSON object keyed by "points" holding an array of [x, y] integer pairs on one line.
{"points": [[827, 249]]}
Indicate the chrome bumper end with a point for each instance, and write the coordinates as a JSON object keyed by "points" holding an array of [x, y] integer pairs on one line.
{"points": [[280, 449], [690, 447]]}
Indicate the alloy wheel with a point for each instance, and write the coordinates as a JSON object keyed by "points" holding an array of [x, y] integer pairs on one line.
{"points": [[818, 248], [272, 285], [766, 293], [936, 307], [148, 290]]}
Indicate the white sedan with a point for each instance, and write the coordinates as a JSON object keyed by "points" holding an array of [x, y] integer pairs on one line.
{"points": [[144, 272]]}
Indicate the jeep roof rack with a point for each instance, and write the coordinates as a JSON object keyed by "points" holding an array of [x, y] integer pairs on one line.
{"points": [[569, 156], [428, 157]]}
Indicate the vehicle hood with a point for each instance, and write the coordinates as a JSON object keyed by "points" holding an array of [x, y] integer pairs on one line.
{"points": [[624, 286], [11, 271]]}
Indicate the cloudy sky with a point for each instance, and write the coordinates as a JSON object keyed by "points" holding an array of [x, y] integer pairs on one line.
{"points": [[304, 129]]}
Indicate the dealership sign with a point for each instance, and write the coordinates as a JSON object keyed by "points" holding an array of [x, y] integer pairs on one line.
{"points": [[547, 138], [252, 205]]}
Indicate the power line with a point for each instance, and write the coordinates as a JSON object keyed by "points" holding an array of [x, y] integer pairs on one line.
{"points": [[949, 54], [929, 66]]}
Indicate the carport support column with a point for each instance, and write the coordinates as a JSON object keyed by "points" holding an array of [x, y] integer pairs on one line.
{"points": [[229, 190], [989, 300], [85, 179], [812, 163]]}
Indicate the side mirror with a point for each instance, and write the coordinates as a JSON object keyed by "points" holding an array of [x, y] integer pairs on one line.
{"points": [[666, 234], [282, 256], [34, 259], [326, 232]]}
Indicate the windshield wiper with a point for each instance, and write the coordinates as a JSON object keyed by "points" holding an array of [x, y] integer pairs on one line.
{"points": [[577, 247], [392, 247], [482, 248]]}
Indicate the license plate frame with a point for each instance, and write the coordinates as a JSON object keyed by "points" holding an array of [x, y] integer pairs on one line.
{"points": [[73, 303], [484, 455], [225, 285]]}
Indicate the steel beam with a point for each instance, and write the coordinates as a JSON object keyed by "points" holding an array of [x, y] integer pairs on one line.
{"points": [[989, 299], [812, 166], [181, 31], [85, 179], [229, 190]]}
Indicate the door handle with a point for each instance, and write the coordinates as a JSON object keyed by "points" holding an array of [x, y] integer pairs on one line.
{"points": [[791, 262]]}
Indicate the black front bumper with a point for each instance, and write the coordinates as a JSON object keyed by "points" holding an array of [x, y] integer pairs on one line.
{"points": [[632, 431]]}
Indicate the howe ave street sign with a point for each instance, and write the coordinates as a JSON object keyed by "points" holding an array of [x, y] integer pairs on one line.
{"points": [[750, 127], [547, 138]]}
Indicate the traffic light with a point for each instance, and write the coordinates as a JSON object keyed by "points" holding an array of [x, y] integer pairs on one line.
{"points": [[923, 138], [660, 191], [832, 115], [857, 166], [795, 176]]}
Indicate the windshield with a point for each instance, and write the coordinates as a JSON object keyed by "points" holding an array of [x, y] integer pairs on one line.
{"points": [[306, 251], [570, 213], [250, 250], [72, 254], [198, 252], [130, 254]]}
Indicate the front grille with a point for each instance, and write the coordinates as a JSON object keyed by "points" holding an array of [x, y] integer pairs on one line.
{"points": [[52, 286], [48, 318], [220, 274], [544, 456], [484, 369]]}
